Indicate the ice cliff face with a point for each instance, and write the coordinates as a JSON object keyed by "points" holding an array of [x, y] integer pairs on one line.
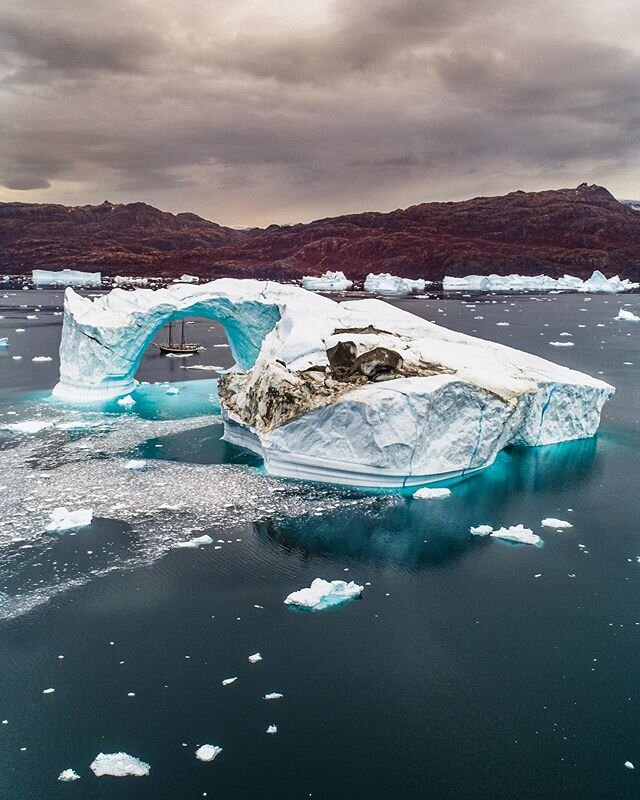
{"points": [[538, 283], [357, 393], [65, 277], [391, 285]]}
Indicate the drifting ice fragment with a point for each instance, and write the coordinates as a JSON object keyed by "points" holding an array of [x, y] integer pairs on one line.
{"points": [[324, 594], [135, 463], [431, 494], [627, 316], [48, 691], [272, 729], [68, 775], [199, 540], [273, 696], [255, 658], [173, 390], [119, 765], [126, 402], [329, 282], [207, 752], [391, 285], [28, 426], [552, 522], [561, 344], [4, 342], [629, 765], [64, 520], [229, 681], [481, 530], [41, 358], [517, 533]]}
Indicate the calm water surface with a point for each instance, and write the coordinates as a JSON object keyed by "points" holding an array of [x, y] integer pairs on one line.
{"points": [[470, 668]]}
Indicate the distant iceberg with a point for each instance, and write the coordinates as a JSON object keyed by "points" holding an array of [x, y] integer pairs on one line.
{"points": [[68, 775], [391, 285], [324, 594], [537, 283], [119, 765], [64, 520], [130, 280], [65, 277], [207, 752], [329, 282], [623, 316]]}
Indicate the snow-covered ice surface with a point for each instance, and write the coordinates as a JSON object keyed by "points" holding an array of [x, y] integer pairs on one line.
{"points": [[392, 285], [207, 752], [119, 765], [538, 283], [327, 282], [305, 393], [66, 277], [323, 594]]}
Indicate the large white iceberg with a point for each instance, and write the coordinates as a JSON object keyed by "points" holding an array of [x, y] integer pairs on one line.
{"points": [[324, 594], [537, 283], [391, 285], [119, 765], [64, 520], [65, 277], [328, 282], [355, 393]]}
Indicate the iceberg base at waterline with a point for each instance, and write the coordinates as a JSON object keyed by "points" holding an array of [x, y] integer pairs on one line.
{"points": [[357, 393]]}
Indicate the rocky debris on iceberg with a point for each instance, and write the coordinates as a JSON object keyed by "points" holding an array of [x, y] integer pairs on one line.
{"points": [[119, 765], [391, 285], [207, 752], [64, 520], [329, 282], [537, 283], [357, 393], [623, 316], [65, 277], [324, 594]]}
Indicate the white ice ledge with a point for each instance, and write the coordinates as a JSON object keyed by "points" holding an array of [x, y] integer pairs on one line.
{"points": [[538, 283]]}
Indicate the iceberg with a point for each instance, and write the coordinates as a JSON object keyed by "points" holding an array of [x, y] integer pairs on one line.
{"points": [[273, 696], [324, 594], [255, 658], [537, 283], [119, 765], [197, 542], [481, 530], [358, 393], [272, 729], [128, 280], [329, 282], [68, 775], [28, 426], [64, 520], [207, 752], [431, 494], [623, 316], [391, 285], [65, 277], [552, 522], [517, 533], [4, 341], [187, 279]]}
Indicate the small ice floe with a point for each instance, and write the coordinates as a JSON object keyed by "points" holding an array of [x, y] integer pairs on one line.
{"points": [[503, 324], [4, 342], [273, 696], [481, 530], [517, 533], [552, 522], [627, 316], [272, 729], [48, 691], [255, 658], [324, 594], [173, 390], [229, 681], [42, 358], [562, 344], [126, 402], [16, 358], [207, 752], [119, 765], [204, 367], [629, 765], [197, 542], [64, 520], [431, 494], [28, 426], [68, 775], [135, 463]]}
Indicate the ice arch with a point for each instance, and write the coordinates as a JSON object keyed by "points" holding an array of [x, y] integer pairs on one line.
{"points": [[103, 340]]}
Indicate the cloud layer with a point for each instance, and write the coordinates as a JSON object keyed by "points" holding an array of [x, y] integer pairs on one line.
{"points": [[251, 113]]}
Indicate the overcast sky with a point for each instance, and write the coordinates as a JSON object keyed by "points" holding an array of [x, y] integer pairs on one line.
{"points": [[251, 112]]}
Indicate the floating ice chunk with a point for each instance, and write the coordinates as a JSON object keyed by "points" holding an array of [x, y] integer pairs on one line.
{"points": [[42, 358], [481, 530], [552, 522], [229, 681], [187, 279], [68, 775], [562, 344], [126, 402], [517, 533], [65, 277], [629, 765], [173, 390], [48, 691], [391, 285], [272, 729], [503, 324], [431, 494], [273, 696], [207, 752], [255, 658], [64, 520], [324, 594], [119, 765], [17, 358], [627, 316], [4, 342], [539, 283], [329, 282], [135, 463], [197, 542], [28, 426]]}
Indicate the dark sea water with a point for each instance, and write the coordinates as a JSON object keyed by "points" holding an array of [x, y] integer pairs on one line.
{"points": [[458, 675]]}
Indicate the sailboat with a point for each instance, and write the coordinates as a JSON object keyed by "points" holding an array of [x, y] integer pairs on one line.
{"points": [[178, 348]]}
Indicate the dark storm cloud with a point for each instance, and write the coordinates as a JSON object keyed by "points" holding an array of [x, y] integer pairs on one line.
{"points": [[255, 113]]}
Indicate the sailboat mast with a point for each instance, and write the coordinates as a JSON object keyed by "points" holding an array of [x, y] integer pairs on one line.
{"points": [[182, 333], [170, 333]]}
